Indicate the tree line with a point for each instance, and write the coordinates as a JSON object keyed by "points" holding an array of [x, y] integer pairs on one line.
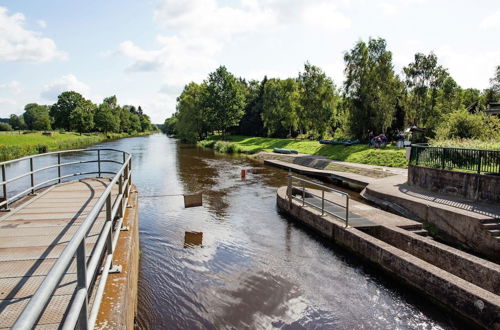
{"points": [[72, 112], [373, 98]]}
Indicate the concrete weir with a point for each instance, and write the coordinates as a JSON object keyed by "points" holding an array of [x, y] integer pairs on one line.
{"points": [[466, 284]]}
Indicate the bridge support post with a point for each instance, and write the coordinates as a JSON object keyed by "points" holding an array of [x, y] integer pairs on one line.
{"points": [[81, 269]]}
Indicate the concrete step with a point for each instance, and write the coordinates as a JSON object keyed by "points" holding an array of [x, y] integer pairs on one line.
{"points": [[491, 226], [491, 220], [495, 232], [421, 232]]}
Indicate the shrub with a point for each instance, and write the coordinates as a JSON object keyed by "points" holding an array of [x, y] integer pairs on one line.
{"points": [[464, 125], [42, 148], [5, 127], [227, 147]]}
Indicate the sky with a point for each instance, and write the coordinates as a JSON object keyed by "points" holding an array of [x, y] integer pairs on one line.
{"points": [[145, 52]]}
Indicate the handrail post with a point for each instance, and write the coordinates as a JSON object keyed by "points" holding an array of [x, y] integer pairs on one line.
{"points": [[120, 192], [59, 167], [32, 176], [109, 241], [289, 191], [303, 193], [322, 202], [4, 178], [346, 211], [82, 283], [99, 162]]}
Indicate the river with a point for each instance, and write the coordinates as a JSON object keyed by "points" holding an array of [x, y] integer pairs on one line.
{"points": [[236, 263]]}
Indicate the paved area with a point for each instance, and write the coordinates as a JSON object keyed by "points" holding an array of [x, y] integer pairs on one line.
{"points": [[33, 236], [397, 187]]}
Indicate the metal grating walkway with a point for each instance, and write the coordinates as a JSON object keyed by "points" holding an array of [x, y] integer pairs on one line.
{"points": [[32, 237]]}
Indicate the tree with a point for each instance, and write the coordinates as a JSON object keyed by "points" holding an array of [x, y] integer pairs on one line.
{"points": [[17, 122], [135, 123], [5, 126], [66, 103], [145, 123], [371, 88], [37, 117], [280, 105], [192, 120], [170, 125], [423, 78], [251, 122], [81, 120], [318, 99], [105, 120], [224, 100], [495, 82]]}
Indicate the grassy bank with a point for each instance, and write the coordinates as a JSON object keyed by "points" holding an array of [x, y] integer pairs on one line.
{"points": [[362, 154], [18, 145]]}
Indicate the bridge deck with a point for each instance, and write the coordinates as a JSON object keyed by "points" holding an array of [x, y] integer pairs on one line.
{"points": [[33, 235]]}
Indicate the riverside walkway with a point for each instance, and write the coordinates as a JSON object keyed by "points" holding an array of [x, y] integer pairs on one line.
{"points": [[57, 237]]}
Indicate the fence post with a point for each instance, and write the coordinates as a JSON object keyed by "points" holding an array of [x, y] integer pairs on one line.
{"points": [[99, 162], [81, 269], [59, 167], [4, 178], [32, 176], [480, 156], [443, 154]]}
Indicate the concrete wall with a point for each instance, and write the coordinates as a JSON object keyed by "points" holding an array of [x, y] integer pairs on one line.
{"points": [[471, 301], [471, 186]]}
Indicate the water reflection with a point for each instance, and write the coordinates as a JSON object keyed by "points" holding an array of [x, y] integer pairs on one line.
{"points": [[193, 239]]}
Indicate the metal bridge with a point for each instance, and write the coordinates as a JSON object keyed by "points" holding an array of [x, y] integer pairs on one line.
{"points": [[58, 232]]}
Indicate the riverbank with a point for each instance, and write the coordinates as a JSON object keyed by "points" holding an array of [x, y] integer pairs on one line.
{"points": [[19, 145], [361, 153]]}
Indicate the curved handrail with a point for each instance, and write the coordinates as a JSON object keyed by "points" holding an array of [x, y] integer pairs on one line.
{"points": [[86, 271]]}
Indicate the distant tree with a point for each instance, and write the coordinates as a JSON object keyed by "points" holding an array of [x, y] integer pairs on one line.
{"points": [[495, 82], [318, 99], [105, 120], [5, 126], [135, 123], [251, 122], [423, 78], [192, 120], [170, 125], [371, 88], [125, 113], [17, 122], [280, 104], [145, 123], [224, 100], [37, 117], [112, 101], [66, 103], [81, 120]]}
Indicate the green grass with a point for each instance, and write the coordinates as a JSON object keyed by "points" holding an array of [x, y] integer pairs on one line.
{"points": [[18, 145], [389, 156]]}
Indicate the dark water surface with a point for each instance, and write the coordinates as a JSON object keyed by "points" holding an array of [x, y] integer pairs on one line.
{"points": [[236, 263]]}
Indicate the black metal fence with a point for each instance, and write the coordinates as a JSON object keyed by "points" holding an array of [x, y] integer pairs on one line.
{"points": [[474, 160]]}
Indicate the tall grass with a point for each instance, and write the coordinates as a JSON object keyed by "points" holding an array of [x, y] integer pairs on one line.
{"points": [[16, 146]]}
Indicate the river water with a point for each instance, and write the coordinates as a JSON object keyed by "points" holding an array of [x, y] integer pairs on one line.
{"points": [[236, 263]]}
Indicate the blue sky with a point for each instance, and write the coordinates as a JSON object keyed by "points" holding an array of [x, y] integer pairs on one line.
{"points": [[146, 51]]}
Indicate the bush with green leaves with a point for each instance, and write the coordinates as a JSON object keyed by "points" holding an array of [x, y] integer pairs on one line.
{"points": [[5, 127], [464, 125]]}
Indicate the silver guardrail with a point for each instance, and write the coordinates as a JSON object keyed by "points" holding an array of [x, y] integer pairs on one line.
{"points": [[301, 188], [79, 314]]}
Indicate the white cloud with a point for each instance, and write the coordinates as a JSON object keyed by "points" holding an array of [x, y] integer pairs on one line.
{"points": [[491, 21], [41, 23], [13, 86], [20, 44], [326, 16], [205, 17], [65, 83]]}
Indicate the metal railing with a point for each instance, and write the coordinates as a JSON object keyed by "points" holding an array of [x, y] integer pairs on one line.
{"points": [[79, 313], [304, 193], [474, 160]]}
